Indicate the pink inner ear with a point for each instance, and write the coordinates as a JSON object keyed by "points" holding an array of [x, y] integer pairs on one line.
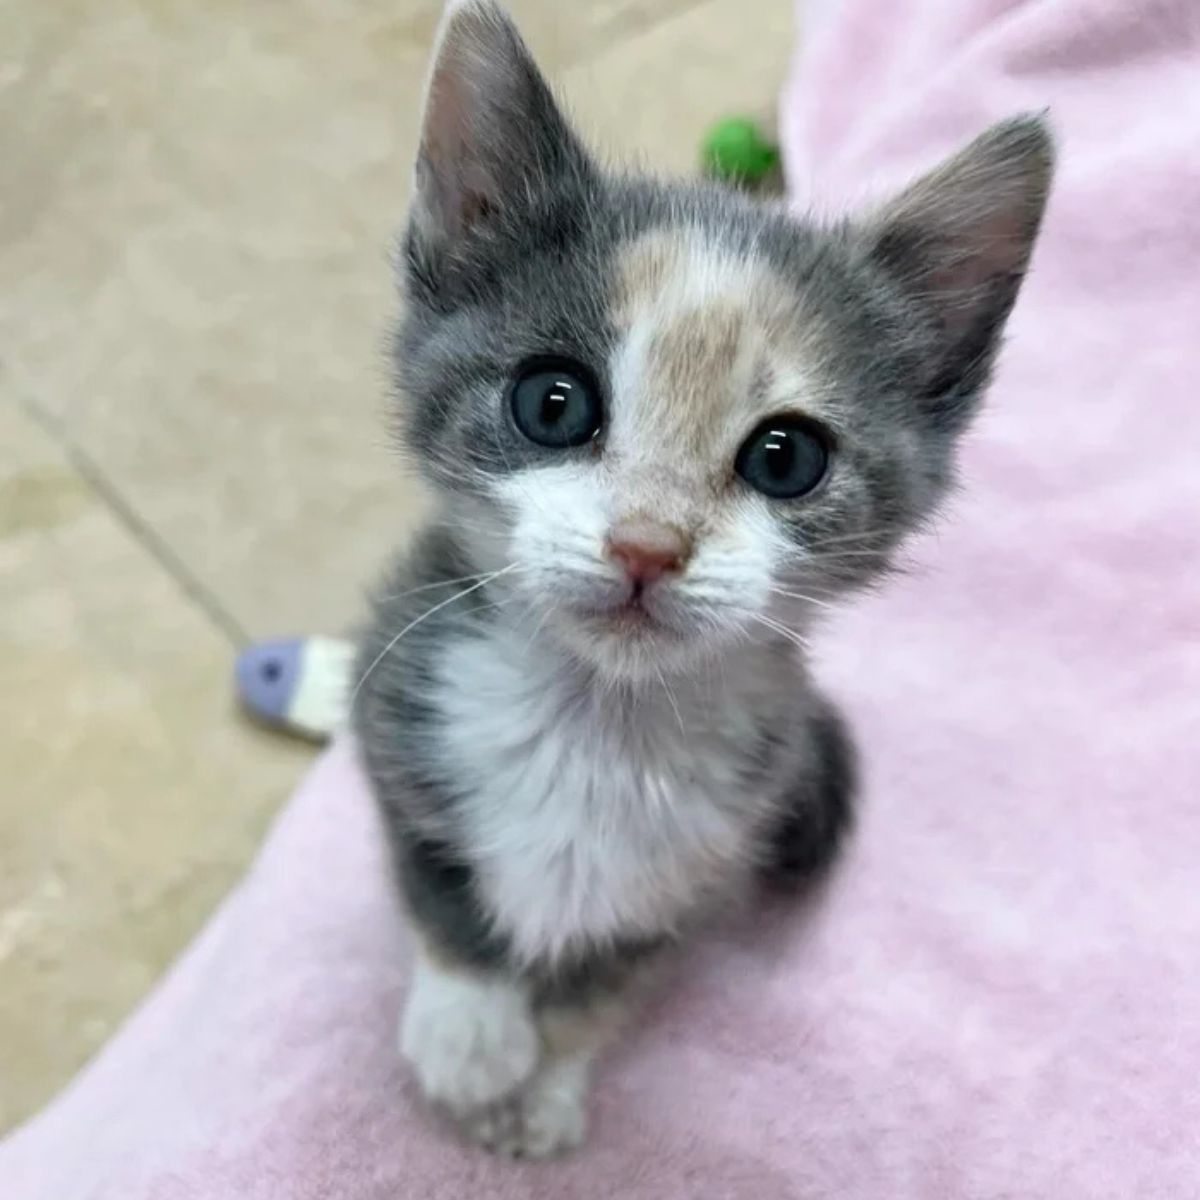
{"points": [[962, 274], [975, 256], [971, 221], [468, 84], [491, 129]]}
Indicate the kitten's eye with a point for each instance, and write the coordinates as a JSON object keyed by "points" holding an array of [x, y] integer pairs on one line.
{"points": [[556, 404], [784, 457]]}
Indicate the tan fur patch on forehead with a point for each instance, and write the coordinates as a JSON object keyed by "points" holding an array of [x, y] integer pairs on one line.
{"points": [[643, 269], [696, 345], [700, 324], [684, 267]]}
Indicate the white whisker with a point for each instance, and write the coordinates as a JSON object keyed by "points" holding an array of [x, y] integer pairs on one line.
{"points": [[837, 556], [413, 624], [429, 587], [847, 539], [805, 597], [670, 698], [778, 627]]}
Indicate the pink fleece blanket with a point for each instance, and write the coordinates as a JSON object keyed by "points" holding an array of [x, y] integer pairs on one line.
{"points": [[1000, 995]]}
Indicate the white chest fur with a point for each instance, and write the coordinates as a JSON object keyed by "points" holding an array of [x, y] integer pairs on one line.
{"points": [[589, 818]]}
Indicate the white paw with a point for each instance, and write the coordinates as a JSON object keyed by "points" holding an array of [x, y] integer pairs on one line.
{"points": [[471, 1040], [548, 1116]]}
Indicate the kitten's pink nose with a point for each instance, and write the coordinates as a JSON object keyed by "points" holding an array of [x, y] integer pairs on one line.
{"points": [[647, 549]]}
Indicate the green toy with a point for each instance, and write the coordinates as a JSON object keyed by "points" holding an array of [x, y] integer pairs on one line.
{"points": [[736, 151]]}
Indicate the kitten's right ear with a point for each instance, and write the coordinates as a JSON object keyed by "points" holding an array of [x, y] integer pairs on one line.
{"points": [[491, 132], [958, 242]]}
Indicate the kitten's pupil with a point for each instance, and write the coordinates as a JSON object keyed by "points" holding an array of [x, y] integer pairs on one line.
{"points": [[780, 454], [554, 402]]}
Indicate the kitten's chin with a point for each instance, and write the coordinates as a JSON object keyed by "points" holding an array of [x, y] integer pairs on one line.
{"points": [[628, 644]]}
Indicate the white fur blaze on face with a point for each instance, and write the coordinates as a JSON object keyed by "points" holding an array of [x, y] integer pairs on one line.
{"points": [[470, 1039], [559, 521]]}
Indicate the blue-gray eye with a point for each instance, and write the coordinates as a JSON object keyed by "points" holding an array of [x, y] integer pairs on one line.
{"points": [[555, 403], [784, 457]]}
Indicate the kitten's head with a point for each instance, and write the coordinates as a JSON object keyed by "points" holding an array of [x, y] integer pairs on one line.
{"points": [[679, 418]]}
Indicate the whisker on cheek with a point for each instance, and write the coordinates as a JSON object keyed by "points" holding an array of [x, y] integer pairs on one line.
{"points": [[840, 555], [499, 605], [721, 617], [788, 634], [807, 599], [429, 612], [850, 538], [428, 587]]}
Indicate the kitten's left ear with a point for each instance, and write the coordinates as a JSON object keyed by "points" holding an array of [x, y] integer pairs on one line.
{"points": [[491, 134], [958, 242]]}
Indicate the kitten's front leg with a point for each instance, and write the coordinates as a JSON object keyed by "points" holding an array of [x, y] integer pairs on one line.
{"points": [[548, 1114], [513, 1083], [505, 1061], [505, 1053], [469, 1036]]}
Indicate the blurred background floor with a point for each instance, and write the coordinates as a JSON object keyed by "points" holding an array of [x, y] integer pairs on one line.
{"points": [[196, 201]]}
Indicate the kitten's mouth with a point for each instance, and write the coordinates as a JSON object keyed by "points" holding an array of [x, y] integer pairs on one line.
{"points": [[630, 617]]}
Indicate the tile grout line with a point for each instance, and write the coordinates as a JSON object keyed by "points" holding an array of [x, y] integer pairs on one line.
{"points": [[137, 527]]}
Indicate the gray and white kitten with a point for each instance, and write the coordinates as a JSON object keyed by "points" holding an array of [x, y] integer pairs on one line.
{"points": [[664, 427]]}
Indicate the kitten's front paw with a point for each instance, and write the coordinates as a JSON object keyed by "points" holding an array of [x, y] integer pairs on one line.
{"points": [[548, 1116], [470, 1040]]}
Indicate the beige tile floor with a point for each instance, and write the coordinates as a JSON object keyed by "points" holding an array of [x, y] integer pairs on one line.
{"points": [[195, 207]]}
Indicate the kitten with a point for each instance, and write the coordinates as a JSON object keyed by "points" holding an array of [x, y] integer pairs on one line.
{"points": [[665, 427]]}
